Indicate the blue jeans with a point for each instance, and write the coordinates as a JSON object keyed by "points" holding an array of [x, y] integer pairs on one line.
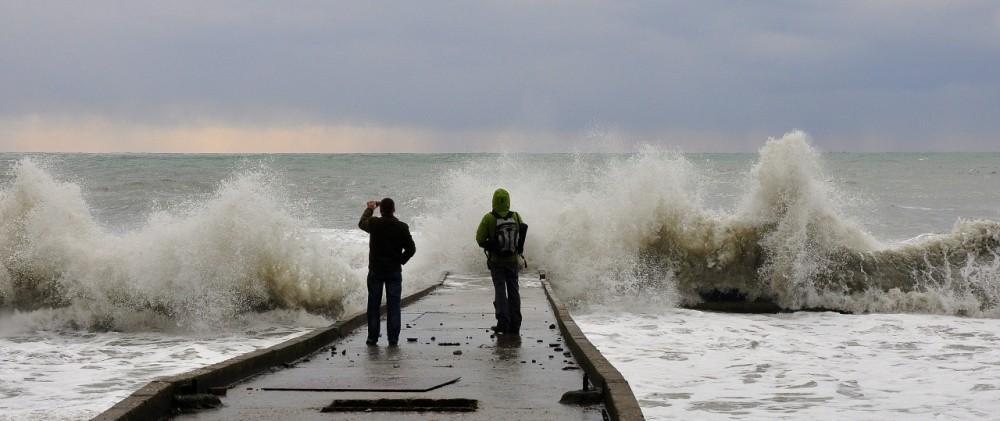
{"points": [[393, 282]]}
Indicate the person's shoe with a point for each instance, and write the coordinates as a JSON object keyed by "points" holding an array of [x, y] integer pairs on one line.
{"points": [[371, 342], [498, 329], [393, 343]]}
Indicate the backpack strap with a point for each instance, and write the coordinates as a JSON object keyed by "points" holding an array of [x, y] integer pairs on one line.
{"points": [[517, 217], [512, 213]]}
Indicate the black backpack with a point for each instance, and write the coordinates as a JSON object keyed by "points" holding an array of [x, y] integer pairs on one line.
{"points": [[508, 237]]}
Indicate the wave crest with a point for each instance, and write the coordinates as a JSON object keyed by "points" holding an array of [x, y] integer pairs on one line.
{"points": [[636, 229], [194, 267]]}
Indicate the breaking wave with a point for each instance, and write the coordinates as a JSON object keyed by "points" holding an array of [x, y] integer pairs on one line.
{"points": [[637, 228], [622, 230], [199, 266]]}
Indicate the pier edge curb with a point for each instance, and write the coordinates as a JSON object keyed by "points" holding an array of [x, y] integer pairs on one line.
{"points": [[618, 397]]}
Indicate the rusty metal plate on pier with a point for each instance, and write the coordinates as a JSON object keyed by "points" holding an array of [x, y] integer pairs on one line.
{"points": [[402, 405], [372, 384]]}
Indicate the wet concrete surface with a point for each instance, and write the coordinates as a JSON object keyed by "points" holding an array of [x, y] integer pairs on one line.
{"points": [[511, 377]]}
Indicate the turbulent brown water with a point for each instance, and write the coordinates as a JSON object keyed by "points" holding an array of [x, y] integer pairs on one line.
{"points": [[789, 242]]}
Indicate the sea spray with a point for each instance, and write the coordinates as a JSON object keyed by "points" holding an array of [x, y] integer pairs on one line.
{"points": [[635, 228], [626, 229], [588, 220], [194, 268], [779, 238], [789, 242]]}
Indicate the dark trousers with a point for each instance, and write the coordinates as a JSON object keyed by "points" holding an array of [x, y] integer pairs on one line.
{"points": [[393, 282], [506, 298]]}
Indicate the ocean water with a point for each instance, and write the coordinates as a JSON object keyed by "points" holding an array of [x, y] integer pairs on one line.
{"points": [[117, 269]]}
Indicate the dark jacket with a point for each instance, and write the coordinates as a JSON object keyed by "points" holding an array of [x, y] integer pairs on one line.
{"points": [[390, 246]]}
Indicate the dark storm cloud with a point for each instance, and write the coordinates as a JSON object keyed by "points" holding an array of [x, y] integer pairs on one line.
{"points": [[856, 74]]}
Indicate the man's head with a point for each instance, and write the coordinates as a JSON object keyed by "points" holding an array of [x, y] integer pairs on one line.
{"points": [[387, 207], [501, 202]]}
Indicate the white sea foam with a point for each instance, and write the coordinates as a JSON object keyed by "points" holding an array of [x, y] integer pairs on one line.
{"points": [[685, 364], [194, 267], [73, 375]]}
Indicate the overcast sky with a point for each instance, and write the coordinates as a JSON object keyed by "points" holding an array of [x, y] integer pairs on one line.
{"points": [[202, 76]]}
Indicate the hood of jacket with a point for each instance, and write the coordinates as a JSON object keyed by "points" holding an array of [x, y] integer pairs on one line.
{"points": [[501, 202]]}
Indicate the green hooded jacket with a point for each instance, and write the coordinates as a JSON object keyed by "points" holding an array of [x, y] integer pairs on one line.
{"points": [[488, 226]]}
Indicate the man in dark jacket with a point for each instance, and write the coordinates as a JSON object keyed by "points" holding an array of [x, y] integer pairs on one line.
{"points": [[389, 248]]}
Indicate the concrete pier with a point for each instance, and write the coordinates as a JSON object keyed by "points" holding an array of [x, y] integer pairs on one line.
{"points": [[448, 365]]}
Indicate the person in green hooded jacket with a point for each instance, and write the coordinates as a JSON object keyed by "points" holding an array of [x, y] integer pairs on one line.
{"points": [[501, 234]]}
